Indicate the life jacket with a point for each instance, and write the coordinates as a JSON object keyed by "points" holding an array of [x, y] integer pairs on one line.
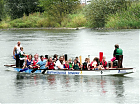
{"points": [[76, 67], [119, 51], [91, 65], [66, 66], [34, 62], [51, 65], [85, 66], [70, 64], [104, 64]]}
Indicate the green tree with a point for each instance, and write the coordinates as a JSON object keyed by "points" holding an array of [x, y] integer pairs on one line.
{"points": [[16, 8], [98, 11], [1, 9], [57, 9]]}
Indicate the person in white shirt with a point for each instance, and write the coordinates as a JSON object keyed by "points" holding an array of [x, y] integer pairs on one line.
{"points": [[16, 51], [59, 63]]}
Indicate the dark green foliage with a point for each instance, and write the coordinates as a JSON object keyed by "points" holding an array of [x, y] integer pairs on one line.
{"points": [[57, 9], [98, 11], [1, 9], [16, 8]]}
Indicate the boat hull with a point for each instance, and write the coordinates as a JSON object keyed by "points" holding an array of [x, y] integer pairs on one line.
{"points": [[120, 71]]}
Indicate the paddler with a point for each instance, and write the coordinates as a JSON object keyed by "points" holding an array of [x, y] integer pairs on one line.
{"points": [[118, 51], [41, 64], [28, 64], [59, 63], [16, 51]]}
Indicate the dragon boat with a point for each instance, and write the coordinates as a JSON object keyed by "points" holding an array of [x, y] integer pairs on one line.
{"points": [[110, 71]]}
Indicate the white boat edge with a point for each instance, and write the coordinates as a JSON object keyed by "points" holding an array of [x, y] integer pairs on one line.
{"points": [[79, 72]]}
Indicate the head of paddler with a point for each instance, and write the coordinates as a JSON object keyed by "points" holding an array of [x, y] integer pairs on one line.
{"points": [[18, 43], [50, 59], [75, 61], [104, 58], [21, 48], [66, 62], [41, 57], [30, 57], [70, 61], [36, 56], [86, 59], [61, 59], [116, 46], [55, 56]]}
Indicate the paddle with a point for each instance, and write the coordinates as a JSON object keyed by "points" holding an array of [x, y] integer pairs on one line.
{"points": [[101, 56], [44, 71], [34, 70], [80, 61], [23, 69]]}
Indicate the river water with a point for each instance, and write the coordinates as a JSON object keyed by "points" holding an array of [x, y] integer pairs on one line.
{"points": [[26, 88]]}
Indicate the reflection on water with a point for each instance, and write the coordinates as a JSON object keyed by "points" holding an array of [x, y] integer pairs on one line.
{"points": [[89, 85]]}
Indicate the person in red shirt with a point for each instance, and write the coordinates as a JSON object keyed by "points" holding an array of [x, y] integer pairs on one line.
{"points": [[34, 63], [50, 64], [104, 63]]}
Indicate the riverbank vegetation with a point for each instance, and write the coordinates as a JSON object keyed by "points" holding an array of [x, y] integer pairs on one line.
{"points": [[119, 14]]}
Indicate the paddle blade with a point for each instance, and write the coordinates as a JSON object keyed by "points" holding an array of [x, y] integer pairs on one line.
{"points": [[66, 57], [101, 56], [80, 59]]}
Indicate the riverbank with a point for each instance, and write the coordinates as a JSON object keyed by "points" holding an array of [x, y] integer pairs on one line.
{"points": [[125, 19], [49, 28]]}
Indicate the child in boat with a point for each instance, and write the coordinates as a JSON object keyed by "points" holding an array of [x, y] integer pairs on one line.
{"points": [[104, 63], [50, 64], [70, 63], [75, 66], [66, 65], [85, 64], [22, 57]]}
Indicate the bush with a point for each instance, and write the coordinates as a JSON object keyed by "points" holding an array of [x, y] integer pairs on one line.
{"points": [[125, 19], [98, 11]]}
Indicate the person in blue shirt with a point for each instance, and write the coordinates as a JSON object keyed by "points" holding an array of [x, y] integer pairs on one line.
{"points": [[41, 64]]}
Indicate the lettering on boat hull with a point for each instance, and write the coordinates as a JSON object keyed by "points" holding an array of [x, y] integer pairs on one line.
{"points": [[61, 72]]}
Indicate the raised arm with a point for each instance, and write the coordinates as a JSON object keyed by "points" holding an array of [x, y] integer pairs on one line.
{"points": [[46, 64]]}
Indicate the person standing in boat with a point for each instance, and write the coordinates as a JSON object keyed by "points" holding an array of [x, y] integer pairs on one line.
{"points": [[118, 51], [16, 51], [59, 63], [22, 57]]}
